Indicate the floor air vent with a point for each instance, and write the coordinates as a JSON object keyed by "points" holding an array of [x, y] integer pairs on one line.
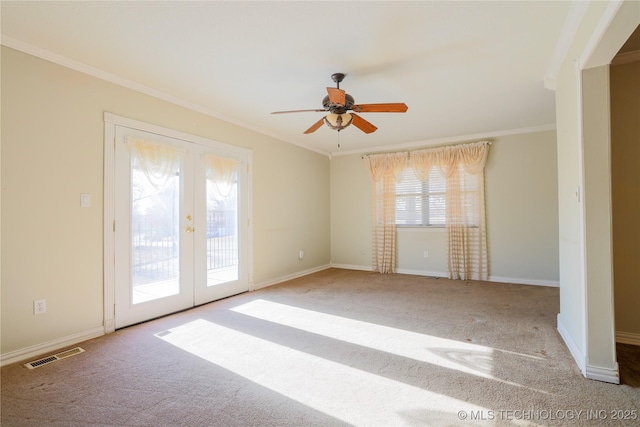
{"points": [[53, 358]]}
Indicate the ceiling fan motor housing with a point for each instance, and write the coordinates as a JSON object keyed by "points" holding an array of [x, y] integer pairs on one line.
{"points": [[338, 108]]}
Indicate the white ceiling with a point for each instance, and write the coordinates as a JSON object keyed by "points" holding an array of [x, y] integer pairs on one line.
{"points": [[465, 69]]}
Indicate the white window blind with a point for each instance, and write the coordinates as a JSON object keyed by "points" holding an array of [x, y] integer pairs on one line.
{"points": [[423, 203]]}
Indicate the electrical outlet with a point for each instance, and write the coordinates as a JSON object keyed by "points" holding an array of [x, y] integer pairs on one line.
{"points": [[39, 306], [426, 254]]}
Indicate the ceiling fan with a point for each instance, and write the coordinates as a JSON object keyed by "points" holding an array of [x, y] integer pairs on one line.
{"points": [[341, 109]]}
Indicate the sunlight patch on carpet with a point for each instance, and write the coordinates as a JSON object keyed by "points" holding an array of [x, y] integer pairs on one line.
{"points": [[460, 356], [344, 392]]}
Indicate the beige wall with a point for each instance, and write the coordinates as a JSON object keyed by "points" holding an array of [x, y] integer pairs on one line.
{"points": [[522, 208], [625, 151], [52, 150], [521, 204]]}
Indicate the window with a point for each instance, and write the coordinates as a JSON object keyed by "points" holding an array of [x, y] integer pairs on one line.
{"points": [[420, 203], [429, 199], [423, 203]]}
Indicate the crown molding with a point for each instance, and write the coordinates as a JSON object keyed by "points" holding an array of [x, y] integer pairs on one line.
{"points": [[448, 140], [571, 24], [55, 58]]}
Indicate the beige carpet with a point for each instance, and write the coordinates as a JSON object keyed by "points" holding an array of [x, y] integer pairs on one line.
{"points": [[338, 347]]}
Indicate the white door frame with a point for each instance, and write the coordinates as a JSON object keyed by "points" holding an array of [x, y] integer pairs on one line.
{"points": [[111, 121]]}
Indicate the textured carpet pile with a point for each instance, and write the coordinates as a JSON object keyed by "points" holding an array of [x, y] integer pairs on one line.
{"points": [[338, 347]]}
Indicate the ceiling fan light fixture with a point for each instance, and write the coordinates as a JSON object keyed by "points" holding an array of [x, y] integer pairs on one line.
{"points": [[338, 121]]}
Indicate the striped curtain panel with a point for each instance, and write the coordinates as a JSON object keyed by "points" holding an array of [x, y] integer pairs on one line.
{"points": [[463, 169], [384, 170]]}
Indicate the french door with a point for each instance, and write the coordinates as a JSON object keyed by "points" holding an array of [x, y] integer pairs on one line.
{"points": [[181, 224]]}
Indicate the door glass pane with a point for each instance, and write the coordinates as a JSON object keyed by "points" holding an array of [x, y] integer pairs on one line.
{"points": [[222, 220], [155, 253]]}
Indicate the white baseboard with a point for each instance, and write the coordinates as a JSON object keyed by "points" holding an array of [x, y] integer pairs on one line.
{"points": [[352, 267], [572, 346], [627, 338], [498, 279], [608, 375], [534, 282], [291, 276], [423, 273], [50, 346], [599, 373], [400, 271]]}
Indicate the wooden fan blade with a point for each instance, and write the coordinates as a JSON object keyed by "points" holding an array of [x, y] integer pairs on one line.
{"points": [[315, 126], [297, 111], [362, 124], [398, 107], [336, 96]]}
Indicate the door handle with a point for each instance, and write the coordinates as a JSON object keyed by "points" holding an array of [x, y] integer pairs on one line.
{"points": [[189, 230]]}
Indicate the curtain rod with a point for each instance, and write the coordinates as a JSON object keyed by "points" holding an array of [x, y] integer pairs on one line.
{"points": [[409, 152]]}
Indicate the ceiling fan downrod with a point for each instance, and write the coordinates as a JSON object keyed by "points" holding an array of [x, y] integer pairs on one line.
{"points": [[337, 77]]}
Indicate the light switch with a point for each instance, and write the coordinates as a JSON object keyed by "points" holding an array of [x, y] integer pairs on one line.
{"points": [[85, 200]]}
